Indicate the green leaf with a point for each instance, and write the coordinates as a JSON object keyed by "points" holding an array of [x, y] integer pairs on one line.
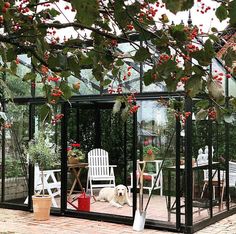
{"points": [[74, 65], [87, 11], [13, 66], [120, 14], [65, 88], [202, 114], [147, 77], [119, 62], [221, 12], [229, 57], [142, 54], [213, 29], [194, 85], [177, 31], [10, 54], [180, 5], [201, 57], [232, 12], [30, 76], [105, 82], [214, 38], [209, 49], [45, 113], [98, 72], [115, 71], [232, 102], [215, 90], [53, 12], [203, 104], [229, 118], [57, 60]]}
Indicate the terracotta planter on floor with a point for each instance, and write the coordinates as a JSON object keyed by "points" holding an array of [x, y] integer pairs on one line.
{"points": [[41, 207]]}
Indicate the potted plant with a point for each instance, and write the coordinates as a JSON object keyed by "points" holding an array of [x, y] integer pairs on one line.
{"points": [[150, 152], [42, 154], [74, 153]]}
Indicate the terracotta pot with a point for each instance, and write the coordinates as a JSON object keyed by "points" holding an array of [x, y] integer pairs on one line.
{"points": [[73, 160], [149, 157], [41, 207]]}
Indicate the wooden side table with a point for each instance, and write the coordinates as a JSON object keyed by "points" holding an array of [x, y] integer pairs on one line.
{"points": [[76, 170]]}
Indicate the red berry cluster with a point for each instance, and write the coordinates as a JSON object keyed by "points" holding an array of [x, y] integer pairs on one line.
{"points": [[211, 114], [56, 92], [128, 73], [114, 43], [1, 19], [134, 109], [6, 6], [193, 33], [130, 27], [192, 48], [182, 116], [202, 7], [111, 90], [184, 79], [147, 12], [44, 70], [131, 100], [53, 38], [53, 78], [163, 58], [57, 118], [218, 77]]}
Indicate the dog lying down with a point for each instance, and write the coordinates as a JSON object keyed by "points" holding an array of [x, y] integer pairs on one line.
{"points": [[117, 196]]}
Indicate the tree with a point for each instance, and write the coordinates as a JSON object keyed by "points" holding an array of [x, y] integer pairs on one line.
{"points": [[175, 53]]}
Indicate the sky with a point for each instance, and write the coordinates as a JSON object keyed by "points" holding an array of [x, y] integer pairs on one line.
{"points": [[204, 21]]}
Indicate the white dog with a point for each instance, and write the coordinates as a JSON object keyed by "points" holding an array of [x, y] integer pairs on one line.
{"points": [[117, 196]]}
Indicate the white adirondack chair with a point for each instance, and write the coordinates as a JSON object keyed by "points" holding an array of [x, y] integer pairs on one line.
{"points": [[232, 174], [52, 185], [100, 173]]}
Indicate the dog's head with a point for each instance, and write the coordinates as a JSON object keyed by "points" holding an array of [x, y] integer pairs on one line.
{"points": [[120, 190]]}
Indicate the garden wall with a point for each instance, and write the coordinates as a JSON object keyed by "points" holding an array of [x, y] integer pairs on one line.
{"points": [[15, 188]]}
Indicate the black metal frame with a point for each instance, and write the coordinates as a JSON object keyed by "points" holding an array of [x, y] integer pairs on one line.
{"points": [[188, 226]]}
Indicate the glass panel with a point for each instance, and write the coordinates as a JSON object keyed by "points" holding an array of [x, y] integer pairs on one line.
{"points": [[202, 192], [232, 164], [81, 131], [108, 130], [16, 128], [47, 180], [156, 146]]}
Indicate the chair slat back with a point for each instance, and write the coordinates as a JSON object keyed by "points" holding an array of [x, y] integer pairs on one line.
{"points": [[98, 162], [215, 173], [232, 167]]}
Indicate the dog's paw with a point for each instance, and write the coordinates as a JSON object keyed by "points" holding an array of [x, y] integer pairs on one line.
{"points": [[119, 206]]}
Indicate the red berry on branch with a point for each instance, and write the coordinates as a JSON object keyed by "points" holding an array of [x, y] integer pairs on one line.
{"points": [[7, 5]]}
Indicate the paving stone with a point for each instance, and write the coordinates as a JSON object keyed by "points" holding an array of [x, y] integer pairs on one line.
{"points": [[21, 222]]}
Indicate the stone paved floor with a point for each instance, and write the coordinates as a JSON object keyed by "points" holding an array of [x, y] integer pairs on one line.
{"points": [[20, 222]]}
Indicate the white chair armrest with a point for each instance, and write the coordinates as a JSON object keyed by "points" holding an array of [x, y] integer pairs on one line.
{"points": [[112, 165]]}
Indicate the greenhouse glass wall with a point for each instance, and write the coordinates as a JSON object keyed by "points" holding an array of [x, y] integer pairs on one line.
{"points": [[189, 174]]}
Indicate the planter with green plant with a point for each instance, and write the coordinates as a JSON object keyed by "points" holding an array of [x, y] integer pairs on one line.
{"points": [[74, 153], [42, 154], [150, 152]]}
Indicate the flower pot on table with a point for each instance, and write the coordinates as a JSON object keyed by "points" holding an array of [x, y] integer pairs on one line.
{"points": [[73, 160], [149, 157]]}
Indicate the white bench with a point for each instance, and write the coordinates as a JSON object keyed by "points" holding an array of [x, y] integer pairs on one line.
{"points": [[52, 183]]}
